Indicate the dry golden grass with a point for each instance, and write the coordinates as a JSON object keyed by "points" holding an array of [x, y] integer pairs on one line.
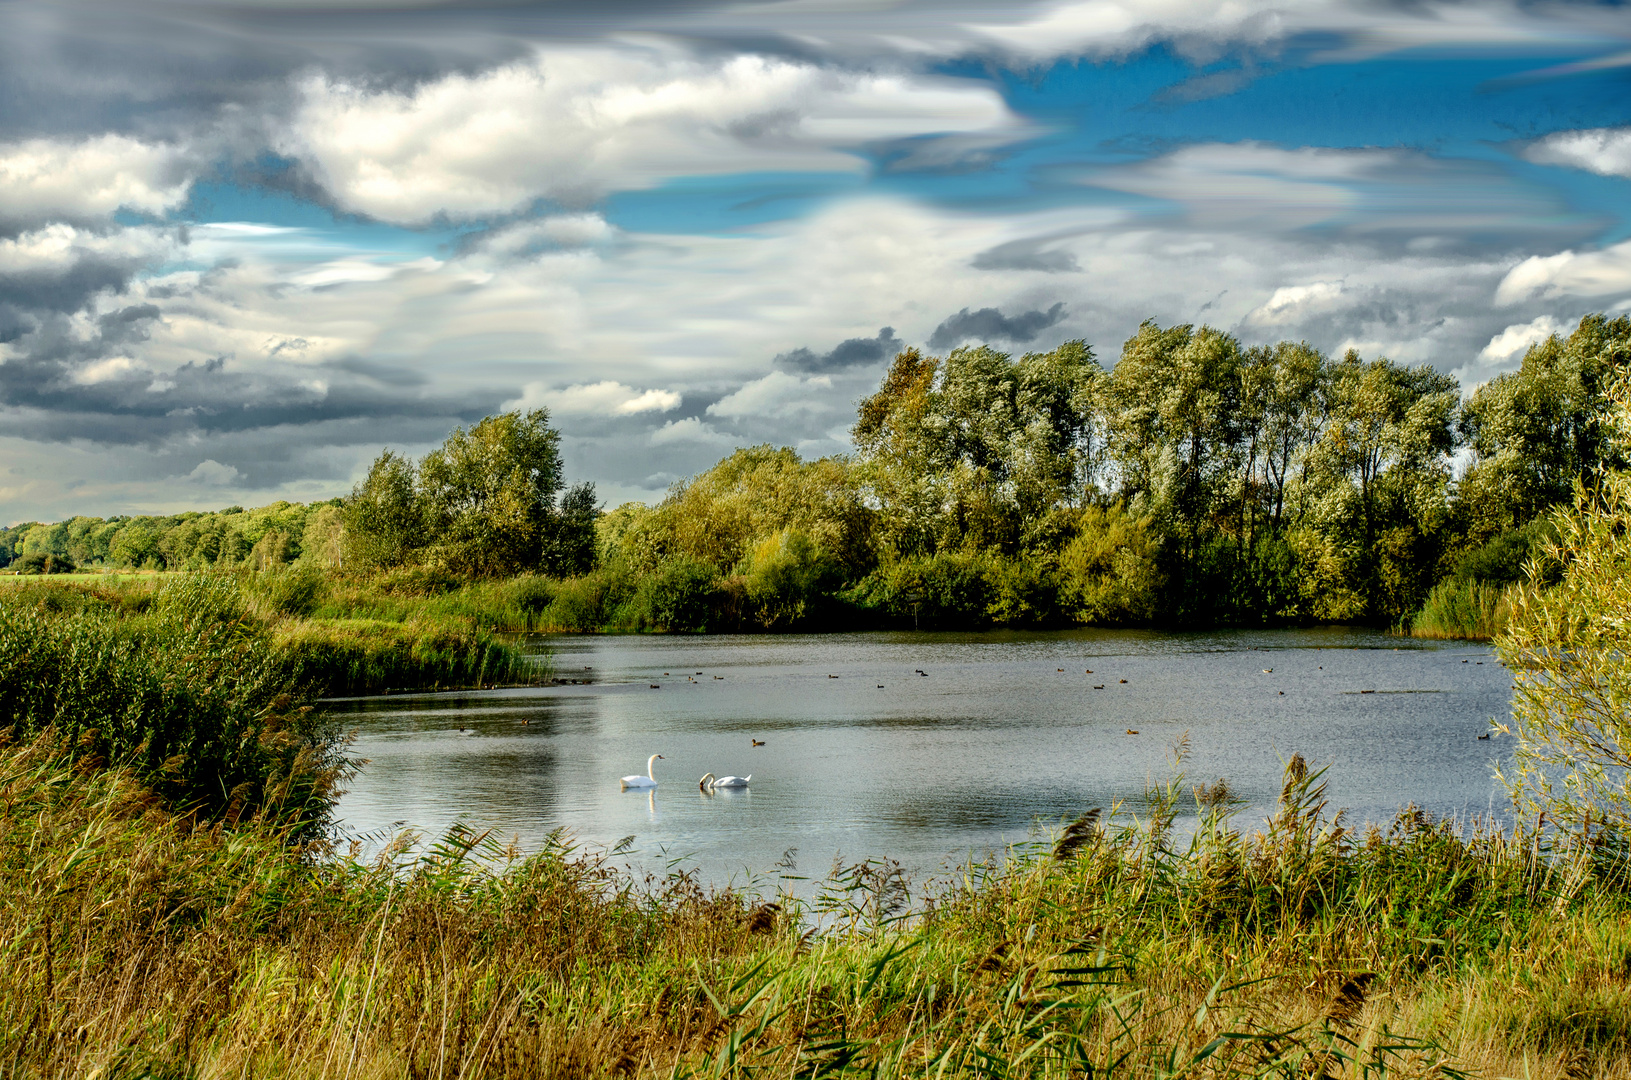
{"points": [[139, 943]]}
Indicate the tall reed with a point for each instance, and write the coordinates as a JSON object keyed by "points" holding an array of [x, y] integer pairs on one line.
{"points": [[1472, 610], [141, 944]]}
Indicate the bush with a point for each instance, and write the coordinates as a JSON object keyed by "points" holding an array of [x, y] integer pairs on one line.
{"points": [[1569, 646], [944, 589], [39, 563], [1501, 560], [583, 604], [1111, 573], [786, 578], [1472, 610], [294, 591], [680, 596]]}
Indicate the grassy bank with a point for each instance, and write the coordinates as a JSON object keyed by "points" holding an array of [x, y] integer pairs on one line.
{"points": [[202, 685], [140, 945], [327, 635]]}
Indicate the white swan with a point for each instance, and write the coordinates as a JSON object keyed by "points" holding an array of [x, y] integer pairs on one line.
{"points": [[709, 782], [638, 781]]}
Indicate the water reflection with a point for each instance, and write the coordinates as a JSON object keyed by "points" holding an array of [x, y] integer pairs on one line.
{"points": [[932, 766]]}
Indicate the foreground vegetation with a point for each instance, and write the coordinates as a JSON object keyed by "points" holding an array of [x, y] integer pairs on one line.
{"points": [[140, 944], [1198, 482]]}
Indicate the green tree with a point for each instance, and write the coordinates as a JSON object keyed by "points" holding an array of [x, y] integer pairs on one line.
{"points": [[975, 450], [487, 494], [1177, 426], [1569, 646], [383, 526], [1535, 431], [1377, 483]]}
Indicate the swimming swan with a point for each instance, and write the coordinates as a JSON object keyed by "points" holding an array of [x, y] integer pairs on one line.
{"points": [[638, 781], [710, 782]]}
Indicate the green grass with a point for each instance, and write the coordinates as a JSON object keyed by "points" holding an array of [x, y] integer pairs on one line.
{"points": [[203, 685], [139, 945], [1471, 610]]}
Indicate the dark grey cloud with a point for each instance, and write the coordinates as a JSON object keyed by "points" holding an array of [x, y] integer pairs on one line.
{"points": [[1027, 255], [62, 384], [989, 324], [847, 354]]}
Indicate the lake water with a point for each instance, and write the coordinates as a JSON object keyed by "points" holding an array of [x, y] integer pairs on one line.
{"points": [[923, 768]]}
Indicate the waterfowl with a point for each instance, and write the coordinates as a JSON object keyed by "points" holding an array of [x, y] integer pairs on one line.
{"points": [[1124, 680], [1132, 731], [710, 782], [756, 742], [638, 781], [1485, 735], [1099, 687]]}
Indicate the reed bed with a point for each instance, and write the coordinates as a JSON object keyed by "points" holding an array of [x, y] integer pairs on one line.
{"points": [[144, 943], [1469, 610]]}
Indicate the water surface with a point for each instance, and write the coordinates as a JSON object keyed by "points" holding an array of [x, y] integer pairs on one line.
{"points": [[924, 768]]}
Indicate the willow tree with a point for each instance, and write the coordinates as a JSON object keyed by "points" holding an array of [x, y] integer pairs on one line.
{"points": [[1569, 646], [976, 449]]}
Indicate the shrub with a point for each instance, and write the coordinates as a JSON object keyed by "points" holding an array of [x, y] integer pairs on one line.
{"points": [[293, 590], [582, 604], [41, 563], [786, 577], [679, 596], [1456, 608], [192, 698], [1111, 572], [954, 588]]}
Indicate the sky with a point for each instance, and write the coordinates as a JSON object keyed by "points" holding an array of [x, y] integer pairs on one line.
{"points": [[245, 246]]}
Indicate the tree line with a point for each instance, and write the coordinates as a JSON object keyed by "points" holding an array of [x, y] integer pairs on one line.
{"points": [[1198, 481]]}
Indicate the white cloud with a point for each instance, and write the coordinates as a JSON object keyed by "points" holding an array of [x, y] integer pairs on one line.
{"points": [[1258, 186], [554, 231], [570, 124], [1569, 273], [1119, 27], [1606, 151], [1234, 184], [605, 398], [1202, 28], [48, 179], [776, 396], [114, 367], [211, 473], [1518, 337], [58, 248], [1292, 302], [689, 430]]}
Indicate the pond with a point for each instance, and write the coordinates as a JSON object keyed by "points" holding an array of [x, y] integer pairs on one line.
{"points": [[922, 747]]}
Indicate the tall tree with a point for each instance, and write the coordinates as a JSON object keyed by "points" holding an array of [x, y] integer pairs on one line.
{"points": [[1535, 431], [383, 524], [488, 494]]}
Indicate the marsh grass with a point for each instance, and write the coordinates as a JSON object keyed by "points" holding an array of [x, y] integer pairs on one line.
{"points": [[1470, 610], [202, 685], [139, 943]]}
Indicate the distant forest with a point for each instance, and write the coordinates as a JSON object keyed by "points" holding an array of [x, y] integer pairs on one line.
{"points": [[1198, 482]]}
